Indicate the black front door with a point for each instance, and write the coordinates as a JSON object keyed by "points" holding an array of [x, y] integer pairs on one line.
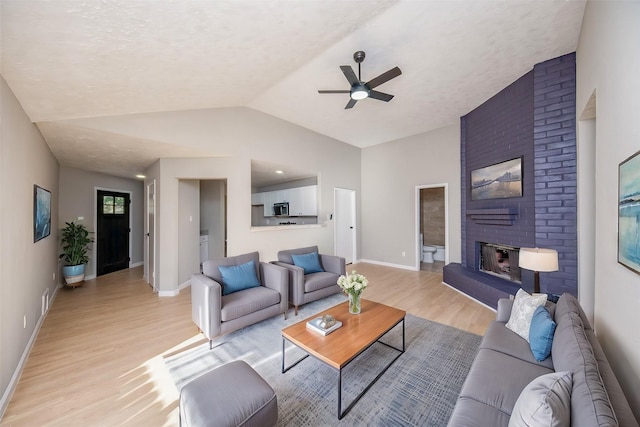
{"points": [[113, 232]]}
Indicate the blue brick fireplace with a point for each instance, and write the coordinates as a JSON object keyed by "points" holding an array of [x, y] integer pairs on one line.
{"points": [[532, 119]]}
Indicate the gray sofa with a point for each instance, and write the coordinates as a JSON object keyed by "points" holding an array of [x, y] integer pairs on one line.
{"points": [[304, 288], [217, 314], [505, 365]]}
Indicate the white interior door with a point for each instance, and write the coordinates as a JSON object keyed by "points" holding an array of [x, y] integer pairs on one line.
{"points": [[151, 234], [345, 224]]}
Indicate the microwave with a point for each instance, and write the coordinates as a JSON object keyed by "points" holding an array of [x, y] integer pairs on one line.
{"points": [[281, 209]]}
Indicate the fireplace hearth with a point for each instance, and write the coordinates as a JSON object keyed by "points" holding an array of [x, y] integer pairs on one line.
{"points": [[499, 260]]}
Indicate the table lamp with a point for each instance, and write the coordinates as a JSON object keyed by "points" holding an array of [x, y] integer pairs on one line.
{"points": [[537, 259]]}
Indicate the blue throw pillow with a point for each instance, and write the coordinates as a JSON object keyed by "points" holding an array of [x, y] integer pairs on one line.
{"points": [[238, 277], [541, 333], [309, 262]]}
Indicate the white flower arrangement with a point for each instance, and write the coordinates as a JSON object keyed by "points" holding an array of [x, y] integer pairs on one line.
{"points": [[353, 284]]}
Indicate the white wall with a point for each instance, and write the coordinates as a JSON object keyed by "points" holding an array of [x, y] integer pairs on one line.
{"points": [[26, 268], [390, 174], [608, 61], [78, 199]]}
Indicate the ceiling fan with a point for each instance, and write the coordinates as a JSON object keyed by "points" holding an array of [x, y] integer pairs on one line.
{"points": [[361, 90]]}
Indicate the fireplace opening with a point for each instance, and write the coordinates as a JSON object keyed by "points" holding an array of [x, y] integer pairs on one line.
{"points": [[500, 260]]}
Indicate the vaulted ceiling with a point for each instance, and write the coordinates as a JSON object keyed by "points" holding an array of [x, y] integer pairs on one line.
{"points": [[72, 59]]}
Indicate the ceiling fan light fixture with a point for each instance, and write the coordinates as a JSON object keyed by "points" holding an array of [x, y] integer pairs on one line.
{"points": [[359, 91]]}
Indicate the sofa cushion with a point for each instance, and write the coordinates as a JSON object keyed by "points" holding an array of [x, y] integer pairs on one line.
{"points": [[315, 281], [541, 333], [237, 278], [240, 304], [522, 311], [544, 402], [496, 379], [499, 338], [471, 413], [571, 351], [310, 262], [614, 390], [568, 303]]}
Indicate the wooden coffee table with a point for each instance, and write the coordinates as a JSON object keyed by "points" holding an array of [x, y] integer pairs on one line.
{"points": [[358, 333]]}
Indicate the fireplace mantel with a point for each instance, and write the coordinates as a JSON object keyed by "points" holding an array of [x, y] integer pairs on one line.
{"points": [[493, 216]]}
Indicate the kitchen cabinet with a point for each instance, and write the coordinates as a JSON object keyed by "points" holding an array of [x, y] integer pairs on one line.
{"points": [[257, 199], [269, 199], [303, 201]]}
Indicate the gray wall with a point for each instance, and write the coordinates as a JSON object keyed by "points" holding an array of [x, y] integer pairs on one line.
{"points": [[26, 268], [608, 61], [390, 174], [78, 199]]}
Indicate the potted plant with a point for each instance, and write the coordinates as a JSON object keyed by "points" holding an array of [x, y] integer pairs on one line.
{"points": [[75, 246]]}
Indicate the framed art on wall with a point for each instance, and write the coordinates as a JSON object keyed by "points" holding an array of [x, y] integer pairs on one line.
{"points": [[498, 181], [629, 213], [41, 213]]}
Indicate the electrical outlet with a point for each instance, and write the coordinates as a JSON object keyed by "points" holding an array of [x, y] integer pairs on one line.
{"points": [[54, 275], [404, 253]]}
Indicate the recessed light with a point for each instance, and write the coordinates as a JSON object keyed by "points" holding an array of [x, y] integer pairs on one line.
{"points": [[140, 176], [280, 172]]}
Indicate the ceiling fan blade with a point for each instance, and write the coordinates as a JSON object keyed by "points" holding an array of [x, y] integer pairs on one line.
{"points": [[380, 95], [351, 103], [349, 74], [334, 91], [384, 77]]}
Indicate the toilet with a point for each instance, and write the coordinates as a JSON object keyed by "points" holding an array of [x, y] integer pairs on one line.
{"points": [[439, 255], [427, 253]]}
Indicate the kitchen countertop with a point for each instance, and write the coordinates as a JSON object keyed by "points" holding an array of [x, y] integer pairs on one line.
{"points": [[286, 227]]}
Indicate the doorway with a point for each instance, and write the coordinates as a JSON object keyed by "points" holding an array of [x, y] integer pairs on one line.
{"points": [[432, 227], [345, 224], [112, 231]]}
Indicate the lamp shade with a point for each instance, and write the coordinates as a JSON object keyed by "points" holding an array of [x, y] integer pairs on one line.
{"points": [[537, 259]]}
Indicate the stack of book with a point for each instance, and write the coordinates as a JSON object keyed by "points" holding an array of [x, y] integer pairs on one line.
{"points": [[318, 326]]}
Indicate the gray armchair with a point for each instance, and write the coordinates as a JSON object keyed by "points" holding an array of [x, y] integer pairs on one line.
{"points": [[217, 314], [304, 288]]}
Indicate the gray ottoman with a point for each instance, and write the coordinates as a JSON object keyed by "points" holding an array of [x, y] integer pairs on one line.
{"points": [[230, 395]]}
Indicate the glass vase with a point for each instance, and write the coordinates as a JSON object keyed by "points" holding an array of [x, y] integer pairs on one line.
{"points": [[354, 304]]}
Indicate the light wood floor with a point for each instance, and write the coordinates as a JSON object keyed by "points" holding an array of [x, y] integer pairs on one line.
{"points": [[98, 359]]}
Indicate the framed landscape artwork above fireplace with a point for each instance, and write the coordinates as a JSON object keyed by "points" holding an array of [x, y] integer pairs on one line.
{"points": [[498, 181]]}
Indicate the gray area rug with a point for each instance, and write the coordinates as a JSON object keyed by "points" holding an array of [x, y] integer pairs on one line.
{"points": [[419, 389]]}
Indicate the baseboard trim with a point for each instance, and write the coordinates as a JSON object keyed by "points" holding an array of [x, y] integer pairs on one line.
{"points": [[15, 378], [388, 264], [470, 297], [136, 264], [176, 291]]}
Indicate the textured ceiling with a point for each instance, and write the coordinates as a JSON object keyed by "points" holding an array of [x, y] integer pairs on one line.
{"points": [[77, 59]]}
